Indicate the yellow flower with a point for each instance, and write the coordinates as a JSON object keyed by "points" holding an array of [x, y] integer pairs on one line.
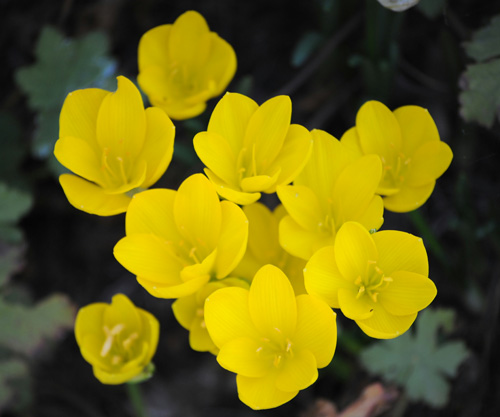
{"points": [[113, 145], [250, 149], [334, 187], [379, 281], [183, 65], [274, 342], [408, 144], [264, 248], [178, 240], [117, 339], [189, 312]]}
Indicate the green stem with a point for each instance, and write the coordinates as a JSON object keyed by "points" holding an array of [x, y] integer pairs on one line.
{"points": [[135, 397]]}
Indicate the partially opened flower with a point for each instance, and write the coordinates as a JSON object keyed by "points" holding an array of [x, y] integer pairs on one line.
{"points": [[274, 341], [249, 149], [117, 339], [264, 247], [178, 240], [378, 280], [407, 141], [334, 187], [113, 145], [189, 312], [182, 65]]}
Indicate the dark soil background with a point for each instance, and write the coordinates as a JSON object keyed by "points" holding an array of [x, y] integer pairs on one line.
{"points": [[70, 252]]}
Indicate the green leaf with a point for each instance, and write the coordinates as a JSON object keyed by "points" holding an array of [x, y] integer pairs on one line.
{"points": [[11, 371], [14, 204], [12, 149], [62, 66], [485, 42], [10, 260], [431, 8], [306, 46], [418, 361], [25, 329]]}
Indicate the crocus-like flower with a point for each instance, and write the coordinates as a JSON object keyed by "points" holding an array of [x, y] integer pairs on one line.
{"points": [[274, 341], [250, 149], [178, 240], [264, 247], [189, 312], [408, 144], [334, 187], [183, 65], [379, 280], [113, 145], [117, 339]]}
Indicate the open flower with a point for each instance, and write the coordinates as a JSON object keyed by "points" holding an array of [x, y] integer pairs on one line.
{"points": [[379, 281], [183, 65], [178, 240], [274, 341], [117, 339], [113, 145], [250, 149], [407, 141], [264, 247], [334, 187]]}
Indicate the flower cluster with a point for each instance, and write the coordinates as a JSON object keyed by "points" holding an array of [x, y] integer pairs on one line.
{"points": [[253, 286]]}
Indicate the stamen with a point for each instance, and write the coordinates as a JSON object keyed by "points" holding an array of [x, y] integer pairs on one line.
{"points": [[360, 291], [122, 169], [277, 360], [192, 254]]}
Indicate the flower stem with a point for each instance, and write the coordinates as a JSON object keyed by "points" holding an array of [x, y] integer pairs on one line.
{"points": [[135, 397]]}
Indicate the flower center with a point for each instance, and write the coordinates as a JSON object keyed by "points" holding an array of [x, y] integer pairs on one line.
{"points": [[276, 350], [372, 282], [114, 169], [393, 175], [116, 346]]}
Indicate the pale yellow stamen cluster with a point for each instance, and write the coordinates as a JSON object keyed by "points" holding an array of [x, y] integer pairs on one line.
{"points": [[120, 350], [372, 282]]}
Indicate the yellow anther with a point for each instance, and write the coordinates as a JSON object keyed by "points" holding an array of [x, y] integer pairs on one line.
{"points": [[360, 291], [374, 296], [277, 360], [117, 359]]}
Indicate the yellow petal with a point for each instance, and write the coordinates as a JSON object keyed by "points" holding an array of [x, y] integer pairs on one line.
{"points": [[408, 293], [322, 277], [272, 304], [263, 240], [152, 212], [259, 183], [267, 129], [199, 339], [173, 290], [230, 119], [91, 198], [122, 311], [78, 156], [197, 213], [300, 242], [400, 251], [158, 145], [149, 257], [150, 332], [262, 393], [297, 372], [354, 249], [89, 320], [227, 316], [232, 194], [428, 163], [79, 114], [409, 198], [372, 218], [203, 269], [152, 50], [233, 239], [379, 131], [382, 325], [316, 329], [417, 128], [353, 307], [216, 153], [350, 140], [90, 348], [121, 122], [185, 310], [245, 356], [293, 156], [302, 204]]}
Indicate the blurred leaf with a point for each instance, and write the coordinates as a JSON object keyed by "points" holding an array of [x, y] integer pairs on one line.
{"points": [[306, 46], [63, 65], [431, 8], [10, 261], [11, 371], [14, 204], [25, 329], [245, 85], [418, 361], [11, 148], [480, 98]]}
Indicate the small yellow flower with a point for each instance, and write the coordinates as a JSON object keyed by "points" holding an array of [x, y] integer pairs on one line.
{"points": [[117, 339], [182, 65], [113, 145], [189, 312], [407, 141], [264, 247], [334, 187], [249, 149], [379, 281], [274, 341], [178, 240]]}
